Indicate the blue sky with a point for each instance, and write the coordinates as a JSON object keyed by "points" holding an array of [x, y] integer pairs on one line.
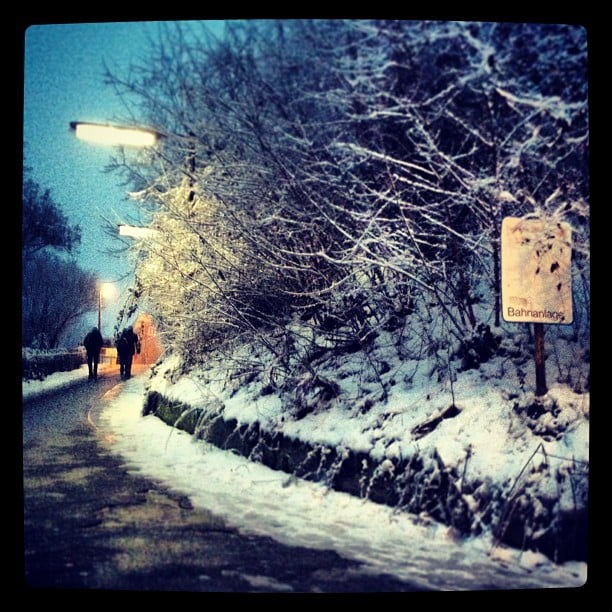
{"points": [[63, 82]]}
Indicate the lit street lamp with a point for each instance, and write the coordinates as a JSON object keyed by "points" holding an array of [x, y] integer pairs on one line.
{"points": [[102, 133], [112, 135], [106, 290], [135, 231], [115, 135]]}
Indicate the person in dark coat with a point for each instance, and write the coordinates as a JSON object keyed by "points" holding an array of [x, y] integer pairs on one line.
{"points": [[93, 345], [122, 347], [127, 345]]}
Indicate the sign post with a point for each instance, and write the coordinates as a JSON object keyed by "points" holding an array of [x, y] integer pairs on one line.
{"points": [[536, 279]]}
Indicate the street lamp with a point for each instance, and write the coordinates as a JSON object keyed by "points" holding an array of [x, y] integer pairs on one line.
{"points": [[104, 290], [103, 133], [135, 231], [106, 134], [115, 135]]}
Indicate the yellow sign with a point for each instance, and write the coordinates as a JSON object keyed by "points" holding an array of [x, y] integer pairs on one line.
{"points": [[536, 271]]}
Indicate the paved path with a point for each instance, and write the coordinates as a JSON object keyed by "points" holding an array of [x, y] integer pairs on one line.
{"points": [[91, 524]]}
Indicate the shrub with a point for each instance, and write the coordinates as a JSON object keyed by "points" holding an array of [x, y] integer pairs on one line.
{"points": [[37, 365]]}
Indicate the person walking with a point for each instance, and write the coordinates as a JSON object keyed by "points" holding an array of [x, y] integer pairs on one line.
{"points": [[122, 348], [127, 346], [93, 345]]}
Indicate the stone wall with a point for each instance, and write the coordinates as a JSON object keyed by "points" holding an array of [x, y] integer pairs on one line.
{"points": [[421, 485]]}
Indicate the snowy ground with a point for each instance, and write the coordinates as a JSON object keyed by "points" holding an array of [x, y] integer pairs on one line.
{"points": [[258, 500]]}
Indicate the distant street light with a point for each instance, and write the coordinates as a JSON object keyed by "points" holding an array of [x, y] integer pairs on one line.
{"points": [[104, 290], [115, 135], [134, 231]]}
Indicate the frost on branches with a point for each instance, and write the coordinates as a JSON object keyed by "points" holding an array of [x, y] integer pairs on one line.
{"points": [[349, 174]]}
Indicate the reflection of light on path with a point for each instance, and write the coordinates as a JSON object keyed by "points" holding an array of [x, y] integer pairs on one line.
{"points": [[90, 420], [109, 395], [109, 439], [113, 392]]}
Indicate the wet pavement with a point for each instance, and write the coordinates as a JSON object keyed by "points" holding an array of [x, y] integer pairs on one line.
{"points": [[90, 523]]}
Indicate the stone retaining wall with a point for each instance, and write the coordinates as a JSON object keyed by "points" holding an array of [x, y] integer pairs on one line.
{"points": [[423, 486]]}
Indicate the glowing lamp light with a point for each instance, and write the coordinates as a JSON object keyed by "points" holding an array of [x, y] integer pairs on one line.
{"points": [[136, 232], [106, 290], [114, 135]]}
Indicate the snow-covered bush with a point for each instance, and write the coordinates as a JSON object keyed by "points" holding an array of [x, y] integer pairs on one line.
{"points": [[478, 347], [38, 364]]}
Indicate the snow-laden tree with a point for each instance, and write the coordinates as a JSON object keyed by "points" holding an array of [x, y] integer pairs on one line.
{"points": [[350, 172], [44, 225], [55, 292], [447, 128]]}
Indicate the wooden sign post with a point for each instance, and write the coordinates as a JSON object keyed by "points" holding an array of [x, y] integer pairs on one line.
{"points": [[536, 279]]}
